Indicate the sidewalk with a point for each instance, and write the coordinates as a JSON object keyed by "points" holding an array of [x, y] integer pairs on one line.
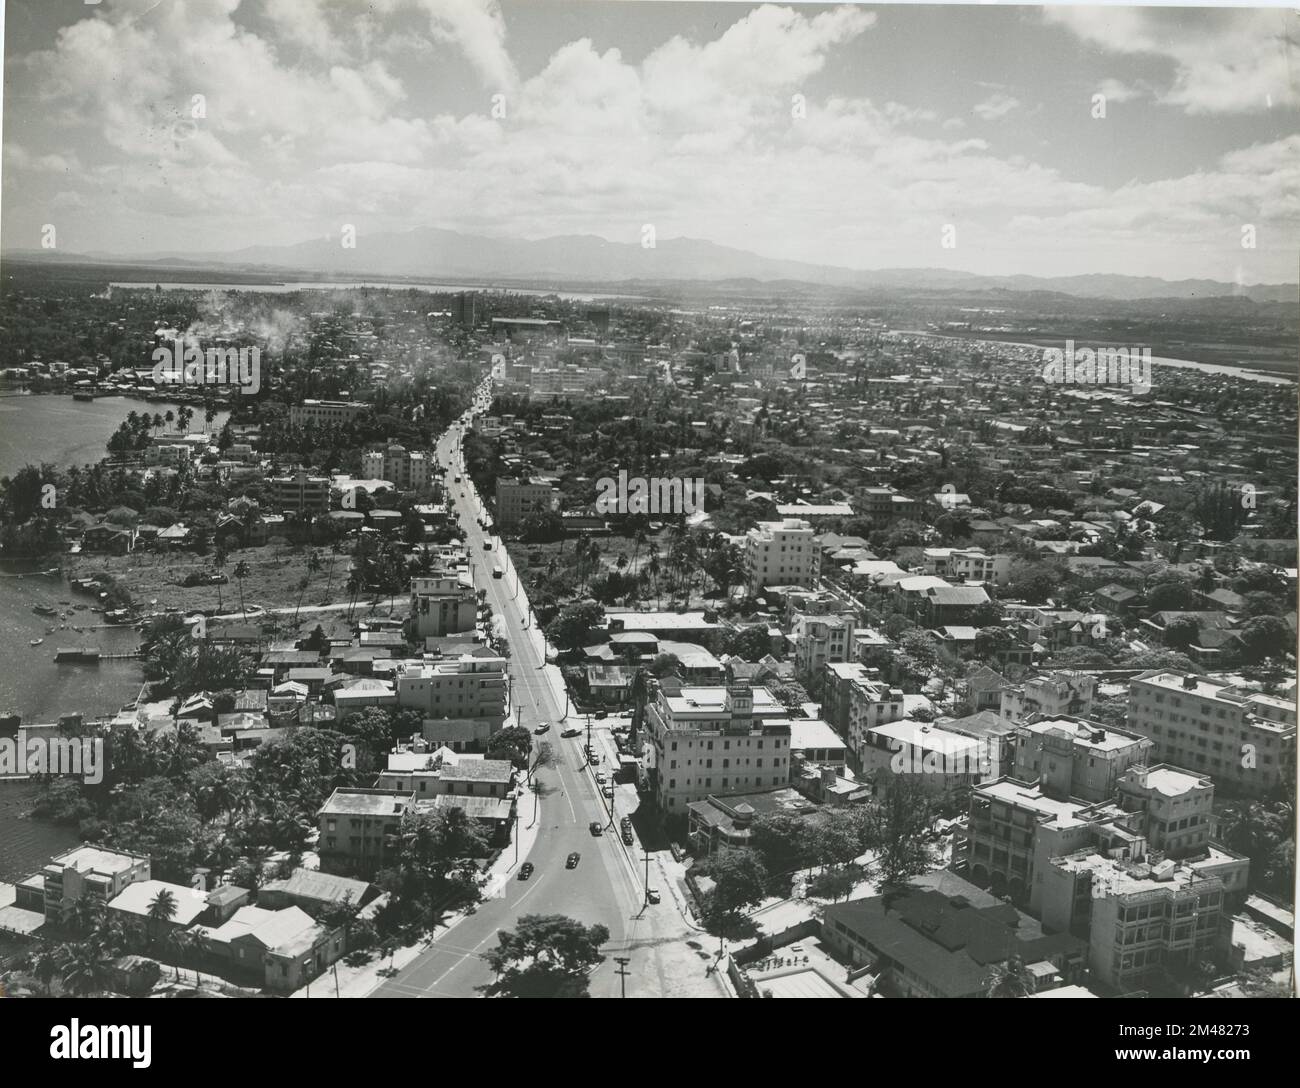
{"points": [[363, 980]]}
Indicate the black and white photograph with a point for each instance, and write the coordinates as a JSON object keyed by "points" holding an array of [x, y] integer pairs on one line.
{"points": [[649, 499]]}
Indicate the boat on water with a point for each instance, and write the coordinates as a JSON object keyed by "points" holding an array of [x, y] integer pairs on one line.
{"points": [[36, 641]]}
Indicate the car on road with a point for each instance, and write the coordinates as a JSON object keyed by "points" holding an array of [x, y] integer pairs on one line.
{"points": [[596, 827], [525, 870], [571, 862], [545, 727], [571, 733], [652, 895]]}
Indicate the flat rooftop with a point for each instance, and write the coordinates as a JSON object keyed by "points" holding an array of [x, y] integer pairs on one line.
{"points": [[94, 859], [360, 802], [1087, 734], [1063, 813]]}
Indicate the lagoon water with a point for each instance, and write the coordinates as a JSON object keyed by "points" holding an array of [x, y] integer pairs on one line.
{"points": [[55, 429]]}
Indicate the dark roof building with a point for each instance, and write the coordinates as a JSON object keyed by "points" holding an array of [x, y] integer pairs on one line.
{"points": [[931, 942]]}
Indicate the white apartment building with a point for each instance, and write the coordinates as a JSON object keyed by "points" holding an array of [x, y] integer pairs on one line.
{"points": [[408, 471], [299, 492], [1244, 740], [715, 741], [820, 640], [517, 499], [469, 687], [443, 604], [781, 553], [331, 413], [967, 565]]}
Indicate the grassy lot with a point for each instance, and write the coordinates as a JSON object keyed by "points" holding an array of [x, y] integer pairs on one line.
{"points": [[533, 562], [275, 571]]}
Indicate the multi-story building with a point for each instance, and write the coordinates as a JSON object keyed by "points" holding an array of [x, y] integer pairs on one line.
{"points": [[428, 775], [941, 762], [967, 565], [359, 828], [331, 413], [442, 604], [715, 741], [1014, 828], [469, 687], [1139, 918], [820, 640], [1058, 694], [94, 871], [855, 700], [781, 553], [1245, 740], [882, 505], [1075, 758], [518, 499], [299, 492], [405, 470], [1178, 807]]}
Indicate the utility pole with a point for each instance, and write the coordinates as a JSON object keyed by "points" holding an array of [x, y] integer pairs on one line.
{"points": [[622, 973], [516, 835], [647, 878]]}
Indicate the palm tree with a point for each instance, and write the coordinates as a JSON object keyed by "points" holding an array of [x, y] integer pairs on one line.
{"points": [[242, 571], [162, 907], [83, 969], [354, 586], [313, 567], [329, 579], [194, 946], [1010, 979], [219, 564], [44, 966]]}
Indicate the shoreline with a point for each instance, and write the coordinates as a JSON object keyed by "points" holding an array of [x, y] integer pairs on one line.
{"points": [[1270, 376]]}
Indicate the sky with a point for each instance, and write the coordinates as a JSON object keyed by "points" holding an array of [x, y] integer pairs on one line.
{"points": [[967, 138]]}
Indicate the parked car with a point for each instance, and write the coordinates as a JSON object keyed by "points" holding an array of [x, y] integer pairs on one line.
{"points": [[525, 870], [600, 778], [608, 790], [571, 862], [596, 828], [594, 757], [653, 895], [627, 836]]}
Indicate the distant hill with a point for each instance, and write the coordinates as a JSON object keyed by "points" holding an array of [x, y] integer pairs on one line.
{"points": [[432, 253]]}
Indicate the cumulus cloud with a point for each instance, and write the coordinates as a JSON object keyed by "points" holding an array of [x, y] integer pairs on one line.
{"points": [[1224, 60], [310, 123], [995, 107]]}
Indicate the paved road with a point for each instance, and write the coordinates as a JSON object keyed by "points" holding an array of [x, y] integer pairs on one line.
{"points": [[608, 885]]}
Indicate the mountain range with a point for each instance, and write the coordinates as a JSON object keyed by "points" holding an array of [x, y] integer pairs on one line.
{"points": [[588, 260]]}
